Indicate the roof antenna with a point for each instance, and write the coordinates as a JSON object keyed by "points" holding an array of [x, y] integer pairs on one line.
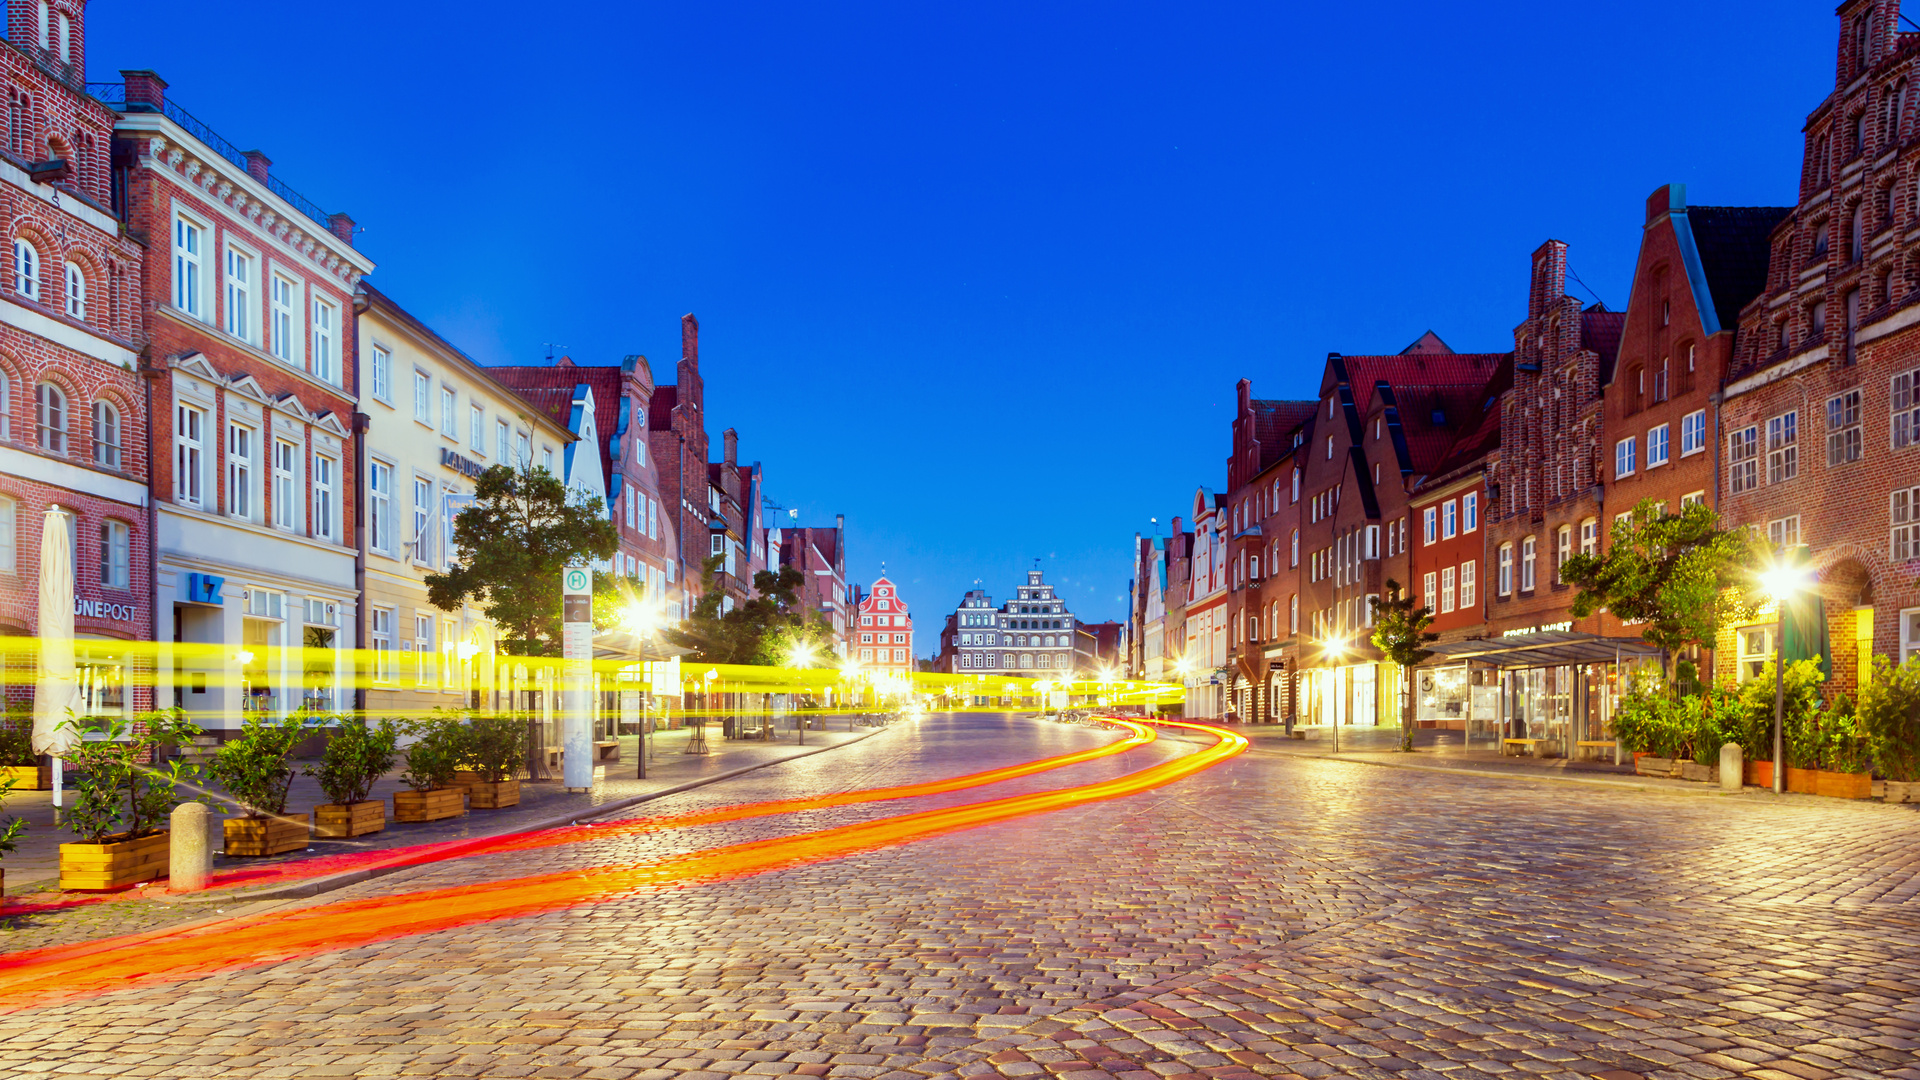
{"points": [[1584, 285], [550, 347]]}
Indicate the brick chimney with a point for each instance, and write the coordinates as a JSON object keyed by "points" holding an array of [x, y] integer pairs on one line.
{"points": [[340, 223], [731, 440], [257, 164], [144, 88], [690, 340]]}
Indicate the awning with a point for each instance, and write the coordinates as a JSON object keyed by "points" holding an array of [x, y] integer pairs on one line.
{"points": [[1547, 648]]}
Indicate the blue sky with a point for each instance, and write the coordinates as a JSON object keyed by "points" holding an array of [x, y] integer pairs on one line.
{"points": [[982, 276]]}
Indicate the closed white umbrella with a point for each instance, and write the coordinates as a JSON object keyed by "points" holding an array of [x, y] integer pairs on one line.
{"points": [[55, 690]]}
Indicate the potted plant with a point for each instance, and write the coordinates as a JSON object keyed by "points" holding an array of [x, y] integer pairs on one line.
{"points": [[122, 796], [17, 759], [10, 829], [254, 770], [357, 756], [497, 749], [1889, 714], [438, 748]]}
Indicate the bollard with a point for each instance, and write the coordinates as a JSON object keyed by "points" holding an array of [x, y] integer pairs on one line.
{"points": [[1732, 767], [189, 856]]}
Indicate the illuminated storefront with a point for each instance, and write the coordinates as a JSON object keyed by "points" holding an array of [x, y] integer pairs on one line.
{"points": [[1559, 686]]}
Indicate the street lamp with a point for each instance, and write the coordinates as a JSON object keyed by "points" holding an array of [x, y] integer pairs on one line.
{"points": [[803, 656], [1782, 580], [1335, 649]]}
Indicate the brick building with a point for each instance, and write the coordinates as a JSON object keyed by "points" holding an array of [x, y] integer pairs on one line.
{"points": [[255, 468], [622, 396], [677, 436], [73, 410], [1263, 525], [1203, 623], [886, 632], [1381, 424], [1820, 422], [820, 554]]}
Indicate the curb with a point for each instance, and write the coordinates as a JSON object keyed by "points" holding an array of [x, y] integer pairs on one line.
{"points": [[317, 886], [1634, 784]]}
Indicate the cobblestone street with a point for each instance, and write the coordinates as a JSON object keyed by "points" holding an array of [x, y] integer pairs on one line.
{"points": [[1274, 916]]}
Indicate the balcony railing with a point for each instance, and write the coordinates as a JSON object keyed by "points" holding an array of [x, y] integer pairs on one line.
{"points": [[115, 94]]}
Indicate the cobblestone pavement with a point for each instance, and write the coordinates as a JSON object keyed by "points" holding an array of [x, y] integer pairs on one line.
{"points": [[1275, 916]]}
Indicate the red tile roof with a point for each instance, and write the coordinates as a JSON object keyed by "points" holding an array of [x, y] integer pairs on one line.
{"points": [[564, 375]]}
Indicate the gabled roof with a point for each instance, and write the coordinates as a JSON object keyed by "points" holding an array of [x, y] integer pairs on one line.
{"points": [[1417, 369], [1273, 421], [660, 413], [1733, 250], [1475, 442], [1600, 331], [563, 376]]}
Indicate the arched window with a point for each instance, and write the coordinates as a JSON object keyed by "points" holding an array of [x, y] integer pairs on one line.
{"points": [[26, 270], [1293, 558], [1293, 614], [1857, 135], [6, 407], [1855, 235], [106, 435], [1820, 156], [76, 292], [1026, 660], [50, 418]]}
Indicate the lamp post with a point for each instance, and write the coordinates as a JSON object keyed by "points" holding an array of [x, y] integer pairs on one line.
{"points": [[1335, 648], [802, 657], [1782, 581]]}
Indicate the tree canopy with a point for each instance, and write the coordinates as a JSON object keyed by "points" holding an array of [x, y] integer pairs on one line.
{"points": [[511, 545], [1677, 576], [767, 630], [1400, 632]]}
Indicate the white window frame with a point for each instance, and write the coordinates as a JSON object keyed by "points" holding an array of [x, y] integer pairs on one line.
{"points": [[424, 497], [1529, 563], [1447, 574], [1624, 457], [383, 374], [1909, 634], [1784, 532], [1469, 512], [1430, 591], [1449, 520], [243, 497], [380, 516], [190, 453], [9, 536], [1743, 470], [1657, 445], [1430, 525], [109, 435], [477, 428], [1467, 584], [326, 506], [286, 484], [1904, 404], [1783, 447], [26, 268], [326, 340], [381, 634], [284, 332], [422, 398], [1563, 550], [449, 412], [189, 267], [502, 441], [1903, 524], [116, 545], [239, 273], [76, 291], [1692, 498], [1693, 433]]}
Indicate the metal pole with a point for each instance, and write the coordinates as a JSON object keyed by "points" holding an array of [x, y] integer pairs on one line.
{"points": [[1779, 707]]}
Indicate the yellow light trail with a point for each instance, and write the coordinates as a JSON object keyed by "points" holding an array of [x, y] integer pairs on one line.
{"points": [[62, 973]]}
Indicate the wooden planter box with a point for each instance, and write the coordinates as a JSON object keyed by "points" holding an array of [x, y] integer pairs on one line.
{"points": [[1760, 774], [114, 864], [1705, 774], [1903, 791], [436, 805], [485, 796], [1648, 765], [29, 777], [1802, 781], [1843, 785], [267, 835], [464, 781], [342, 821]]}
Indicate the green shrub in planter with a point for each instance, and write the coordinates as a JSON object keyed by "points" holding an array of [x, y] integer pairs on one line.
{"points": [[253, 768], [1800, 721], [496, 746], [359, 754], [116, 794], [16, 737], [1842, 745], [1648, 722], [10, 827], [1889, 715], [438, 750]]}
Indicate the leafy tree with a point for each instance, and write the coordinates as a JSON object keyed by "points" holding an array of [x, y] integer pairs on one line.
{"points": [[763, 630], [1400, 632], [1678, 576], [522, 530]]}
